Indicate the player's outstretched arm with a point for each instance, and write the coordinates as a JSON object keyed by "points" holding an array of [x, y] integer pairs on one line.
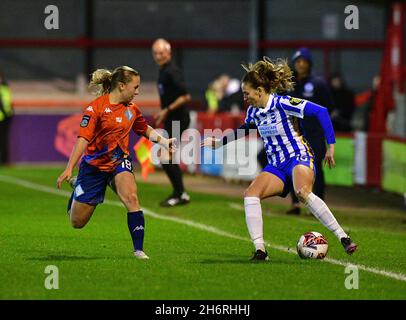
{"points": [[78, 149], [154, 136], [239, 133], [211, 142]]}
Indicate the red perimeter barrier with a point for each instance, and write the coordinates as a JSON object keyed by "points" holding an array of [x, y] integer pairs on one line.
{"points": [[221, 121]]}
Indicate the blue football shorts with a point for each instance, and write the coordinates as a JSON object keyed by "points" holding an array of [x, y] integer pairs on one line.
{"points": [[285, 170], [91, 183]]}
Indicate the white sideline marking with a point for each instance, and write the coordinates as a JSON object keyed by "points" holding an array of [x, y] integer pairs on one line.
{"points": [[39, 187]]}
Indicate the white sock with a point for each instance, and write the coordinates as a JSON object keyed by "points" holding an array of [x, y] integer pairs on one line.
{"points": [[320, 210], [253, 217]]}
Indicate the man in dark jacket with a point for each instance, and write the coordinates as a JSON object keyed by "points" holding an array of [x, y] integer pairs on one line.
{"points": [[344, 101], [174, 111]]}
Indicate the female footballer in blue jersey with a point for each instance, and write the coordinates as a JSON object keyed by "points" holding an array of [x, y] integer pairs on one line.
{"points": [[290, 159]]}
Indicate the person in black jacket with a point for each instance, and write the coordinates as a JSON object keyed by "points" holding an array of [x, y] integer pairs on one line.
{"points": [[6, 114], [344, 101], [174, 112], [313, 88]]}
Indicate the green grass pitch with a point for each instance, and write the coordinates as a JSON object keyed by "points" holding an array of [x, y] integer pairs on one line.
{"points": [[199, 251]]}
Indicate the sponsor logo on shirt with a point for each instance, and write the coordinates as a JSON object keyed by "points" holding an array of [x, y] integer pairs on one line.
{"points": [[107, 110], [268, 130], [89, 108]]}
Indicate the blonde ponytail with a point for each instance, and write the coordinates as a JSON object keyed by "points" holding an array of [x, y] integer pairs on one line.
{"points": [[101, 80], [106, 81]]}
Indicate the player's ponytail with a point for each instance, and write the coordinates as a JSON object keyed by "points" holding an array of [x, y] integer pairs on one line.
{"points": [[101, 79], [273, 76], [106, 81]]}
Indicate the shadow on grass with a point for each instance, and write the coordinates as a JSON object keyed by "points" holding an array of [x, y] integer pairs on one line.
{"points": [[64, 258], [247, 261], [231, 261]]}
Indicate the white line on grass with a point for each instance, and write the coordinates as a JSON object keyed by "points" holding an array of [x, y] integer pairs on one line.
{"points": [[39, 187]]}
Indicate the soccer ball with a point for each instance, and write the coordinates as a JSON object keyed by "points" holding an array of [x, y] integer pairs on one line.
{"points": [[312, 245]]}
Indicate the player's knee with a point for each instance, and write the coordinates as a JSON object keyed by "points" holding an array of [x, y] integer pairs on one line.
{"points": [[78, 218], [78, 223], [131, 199], [302, 193], [251, 192]]}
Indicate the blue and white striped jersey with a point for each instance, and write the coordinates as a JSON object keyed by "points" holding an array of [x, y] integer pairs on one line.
{"points": [[278, 126]]}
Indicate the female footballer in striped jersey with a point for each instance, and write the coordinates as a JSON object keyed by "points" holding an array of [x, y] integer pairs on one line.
{"points": [[290, 159], [103, 139]]}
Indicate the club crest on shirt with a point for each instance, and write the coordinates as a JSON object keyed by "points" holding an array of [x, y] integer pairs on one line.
{"points": [[119, 119], [273, 117], [85, 121], [128, 114]]}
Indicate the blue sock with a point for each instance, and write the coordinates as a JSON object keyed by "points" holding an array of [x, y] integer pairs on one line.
{"points": [[136, 225]]}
